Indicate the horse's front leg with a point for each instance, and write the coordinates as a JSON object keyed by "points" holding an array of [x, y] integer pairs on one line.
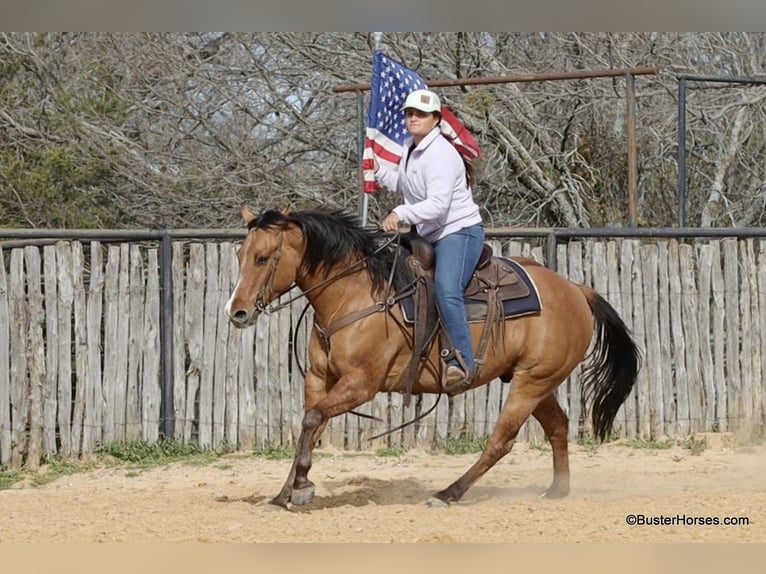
{"points": [[303, 489], [349, 392], [302, 457], [316, 385]]}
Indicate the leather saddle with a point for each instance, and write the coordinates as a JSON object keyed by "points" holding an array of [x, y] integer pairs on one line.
{"points": [[494, 282], [491, 274]]}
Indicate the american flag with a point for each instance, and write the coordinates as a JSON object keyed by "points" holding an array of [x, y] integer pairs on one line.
{"points": [[386, 130]]}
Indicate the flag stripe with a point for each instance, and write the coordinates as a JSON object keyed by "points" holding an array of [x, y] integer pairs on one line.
{"points": [[380, 151]]}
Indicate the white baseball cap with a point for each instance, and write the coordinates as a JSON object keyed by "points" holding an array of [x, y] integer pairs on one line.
{"points": [[423, 100]]}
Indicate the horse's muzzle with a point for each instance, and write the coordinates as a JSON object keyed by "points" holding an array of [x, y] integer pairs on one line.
{"points": [[241, 318]]}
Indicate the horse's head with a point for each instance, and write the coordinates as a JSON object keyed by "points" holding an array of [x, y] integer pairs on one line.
{"points": [[269, 259]]}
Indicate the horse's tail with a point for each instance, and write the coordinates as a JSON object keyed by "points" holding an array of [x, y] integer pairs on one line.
{"points": [[613, 364]]}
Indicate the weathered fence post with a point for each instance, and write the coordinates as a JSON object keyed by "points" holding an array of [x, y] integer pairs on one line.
{"points": [[166, 334]]}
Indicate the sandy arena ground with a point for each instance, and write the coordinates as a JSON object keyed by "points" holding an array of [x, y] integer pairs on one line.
{"points": [[365, 498]]}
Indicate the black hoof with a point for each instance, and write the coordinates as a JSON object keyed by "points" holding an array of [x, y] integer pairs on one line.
{"points": [[303, 495]]}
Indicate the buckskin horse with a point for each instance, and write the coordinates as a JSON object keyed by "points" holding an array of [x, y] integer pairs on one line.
{"points": [[360, 345]]}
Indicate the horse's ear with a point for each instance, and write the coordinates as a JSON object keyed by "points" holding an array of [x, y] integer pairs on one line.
{"points": [[247, 215], [285, 210]]}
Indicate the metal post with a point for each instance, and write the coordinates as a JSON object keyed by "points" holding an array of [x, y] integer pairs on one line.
{"points": [[682, 152], [166, 335], [364, 202], [630, 96], [360, 151], [551, 255]]}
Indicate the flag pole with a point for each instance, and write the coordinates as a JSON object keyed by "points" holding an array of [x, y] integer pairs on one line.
{"points": [[360, 113], [360, 151]]}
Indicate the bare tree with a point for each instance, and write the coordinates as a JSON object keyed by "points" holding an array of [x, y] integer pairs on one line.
{"points": [[178, 130]]}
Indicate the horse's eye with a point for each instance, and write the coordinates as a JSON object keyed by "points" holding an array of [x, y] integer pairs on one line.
{"points": [[262, 260]]}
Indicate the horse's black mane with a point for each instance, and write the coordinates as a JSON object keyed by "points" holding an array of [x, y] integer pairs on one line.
{"points": [[332, 235]]}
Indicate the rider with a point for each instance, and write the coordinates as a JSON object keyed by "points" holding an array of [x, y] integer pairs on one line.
{"points": [[435, 183]]}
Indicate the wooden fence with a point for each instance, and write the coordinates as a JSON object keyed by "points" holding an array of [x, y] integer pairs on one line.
{"points": [[80, 362]]}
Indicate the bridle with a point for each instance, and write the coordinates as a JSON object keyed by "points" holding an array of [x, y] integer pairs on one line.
{"points": [[324, 334], [267, 287]]}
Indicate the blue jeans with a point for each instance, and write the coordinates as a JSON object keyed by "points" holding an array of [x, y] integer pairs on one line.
{"points": [[456, 256]]}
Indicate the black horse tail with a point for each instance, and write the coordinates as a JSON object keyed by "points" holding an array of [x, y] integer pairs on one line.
{"points": [[613, 365]]}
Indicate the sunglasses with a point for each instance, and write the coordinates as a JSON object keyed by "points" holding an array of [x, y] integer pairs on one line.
{"points": [[418, 113]]}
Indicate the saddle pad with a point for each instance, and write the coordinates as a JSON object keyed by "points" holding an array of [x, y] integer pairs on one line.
{"points": [[477, 310]]}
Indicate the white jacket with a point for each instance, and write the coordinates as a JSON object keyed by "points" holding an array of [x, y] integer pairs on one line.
{"points": [[431, 178]]}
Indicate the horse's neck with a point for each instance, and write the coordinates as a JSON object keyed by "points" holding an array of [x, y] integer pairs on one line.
{"points": [[335, 298]]}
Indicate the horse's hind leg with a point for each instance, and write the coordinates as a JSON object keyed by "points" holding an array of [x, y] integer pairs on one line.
{"points": [[522, 400], [555, 425]]}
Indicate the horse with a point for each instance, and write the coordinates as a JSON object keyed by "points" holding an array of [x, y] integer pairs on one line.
{"points": [[360, 345]]}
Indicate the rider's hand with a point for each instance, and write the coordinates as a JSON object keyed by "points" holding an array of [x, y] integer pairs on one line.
{"points": [[391, 222]]}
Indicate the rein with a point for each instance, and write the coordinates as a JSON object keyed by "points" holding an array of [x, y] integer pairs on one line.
{"points": [[361, 415], [348, 319], [274, 308]]}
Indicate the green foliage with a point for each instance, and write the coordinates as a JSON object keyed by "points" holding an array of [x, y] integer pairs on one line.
{"points": [[53, 469], [275, 452], [58, 467], [135, 456], [543, 446], [9, 478], [58, 163], [390, 451], [103, 99], [460, 445], [53, 187], [480, 101], [142, 451], [648, 443], [9, 68], [589, 443], [695, 445], [95, 97], [142, 455]]}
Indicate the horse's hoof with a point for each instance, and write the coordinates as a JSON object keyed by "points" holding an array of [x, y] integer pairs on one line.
{"points": [[276, 503], [303, 495], [554, 493], [434, 502]]}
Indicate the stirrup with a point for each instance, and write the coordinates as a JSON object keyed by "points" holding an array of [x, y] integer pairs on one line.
{"points": [[455, 379], [462, 376]]}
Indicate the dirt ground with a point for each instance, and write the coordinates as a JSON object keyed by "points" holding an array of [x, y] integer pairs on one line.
{"points": [[366, 498]]}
